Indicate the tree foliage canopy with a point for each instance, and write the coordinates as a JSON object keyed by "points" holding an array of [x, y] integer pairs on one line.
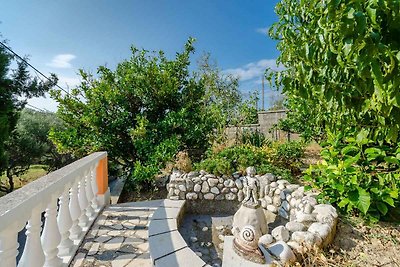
{"points": [[15, 85], [145, 111], [341, 78]]}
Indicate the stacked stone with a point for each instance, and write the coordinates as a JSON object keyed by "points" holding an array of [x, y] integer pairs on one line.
{"points": [[201, 185], [308, 223]]}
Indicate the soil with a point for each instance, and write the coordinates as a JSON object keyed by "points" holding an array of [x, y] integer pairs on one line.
{"points": [[143, 195], [357, 244]]}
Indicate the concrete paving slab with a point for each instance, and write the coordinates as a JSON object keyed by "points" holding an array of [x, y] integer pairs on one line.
{"points": [[166, 213], [183, 258], [162, 226], [164, 244]]}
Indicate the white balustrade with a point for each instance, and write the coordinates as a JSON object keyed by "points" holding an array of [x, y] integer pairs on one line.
{"points": [[83, 202], [64, 221], [51, 235], [69, 199], [95, 189]]}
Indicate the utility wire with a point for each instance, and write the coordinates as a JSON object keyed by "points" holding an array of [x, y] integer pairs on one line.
{"points": [[29, 105], [27, 63]]}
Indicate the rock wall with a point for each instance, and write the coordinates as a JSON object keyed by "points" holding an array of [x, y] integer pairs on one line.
{"points": [[305, 222]]}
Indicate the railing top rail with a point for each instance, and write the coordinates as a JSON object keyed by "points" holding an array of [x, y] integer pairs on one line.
{"points": [[31, 195]]}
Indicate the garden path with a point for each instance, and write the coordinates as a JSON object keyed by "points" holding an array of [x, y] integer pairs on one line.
{"points": [[119, 237]]}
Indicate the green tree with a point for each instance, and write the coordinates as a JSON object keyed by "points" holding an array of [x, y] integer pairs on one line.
{"points": [[29, 144], [142, 113], [341, 62], [15, 85]]}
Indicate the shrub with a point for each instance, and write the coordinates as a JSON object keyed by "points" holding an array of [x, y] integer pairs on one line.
{"points": [[358, 175], [255, 138], [237, 159]]}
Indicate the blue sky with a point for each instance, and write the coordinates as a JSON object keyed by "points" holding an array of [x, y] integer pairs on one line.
{"points": [[63, 36]]}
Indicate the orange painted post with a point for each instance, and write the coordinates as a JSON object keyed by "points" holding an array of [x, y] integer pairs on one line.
{"points": [[102, 176]]}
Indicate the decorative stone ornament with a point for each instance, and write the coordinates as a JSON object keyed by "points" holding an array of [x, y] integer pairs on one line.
{"points": [[249, 222]]}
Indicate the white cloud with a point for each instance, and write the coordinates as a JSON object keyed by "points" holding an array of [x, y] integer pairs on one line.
{"points": [[62, 61], [254, 69], [262, 30]]}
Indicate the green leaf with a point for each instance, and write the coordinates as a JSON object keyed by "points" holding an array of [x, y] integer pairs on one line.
{"points": [[391, 159], [373, 153], [364, 200], [348, 149], [362, 137], [343, 203], [382, 207]]}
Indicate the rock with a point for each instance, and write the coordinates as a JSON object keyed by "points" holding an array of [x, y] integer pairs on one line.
{"points": [[277, 192], [215, 190], [196, 180], [269, 216], [198, 253], [292, 202], [225, 190], [220, 197], [234, 190], [284, 182], [201, 196], [182, 188], [193, 174], [221, 180], [220, 227], [174, 197], [286, 205], [208, 176], [229, 183], [270, 177], [283, 213], [220, 186], [204, 229], [302, 217], [281, 186], [182, 195], [236, 175], [263, 203], [230, 196], [189, 185], [295, 226], [239, 184], [288, 197], [240, 195], [176, 191], [212, 182], [299, 193], [283, 195], [280, 233], [326, 213], [191, 196], [209, 196], [204, 178], [197, 188], [274, 184], [308, 208], [306, 238], [323, 230], [282, 251], [203, 172], [266, 239], [205, 188], [193, 239], [309, 200], [268, 199], [292, 187], [277, 201], [221, 246], [272, 208]]}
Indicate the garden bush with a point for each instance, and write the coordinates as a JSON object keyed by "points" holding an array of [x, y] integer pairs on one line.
{"points": [[358, 176], [237, 159]]}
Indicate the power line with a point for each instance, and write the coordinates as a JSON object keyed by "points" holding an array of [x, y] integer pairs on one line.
{"points": [[27, 63], [29, 105]]}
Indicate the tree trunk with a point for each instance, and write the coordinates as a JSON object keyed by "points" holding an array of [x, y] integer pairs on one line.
{"points": [[10, 181]]}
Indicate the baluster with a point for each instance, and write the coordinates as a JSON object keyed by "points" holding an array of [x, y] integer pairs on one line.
{"points": [[64, 221], [95, 189], [89, 194], [83, 202], [51, 235], [33, 253], [75, 211], [9, 245]]}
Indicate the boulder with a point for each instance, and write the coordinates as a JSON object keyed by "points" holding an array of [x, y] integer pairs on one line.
{"points": [[280, 233]]}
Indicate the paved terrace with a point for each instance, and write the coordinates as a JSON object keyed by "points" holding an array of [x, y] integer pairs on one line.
{"points": [[123, 233]]}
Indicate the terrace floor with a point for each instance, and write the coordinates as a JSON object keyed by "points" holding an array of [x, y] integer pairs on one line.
{"points": [[119, 237]]}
